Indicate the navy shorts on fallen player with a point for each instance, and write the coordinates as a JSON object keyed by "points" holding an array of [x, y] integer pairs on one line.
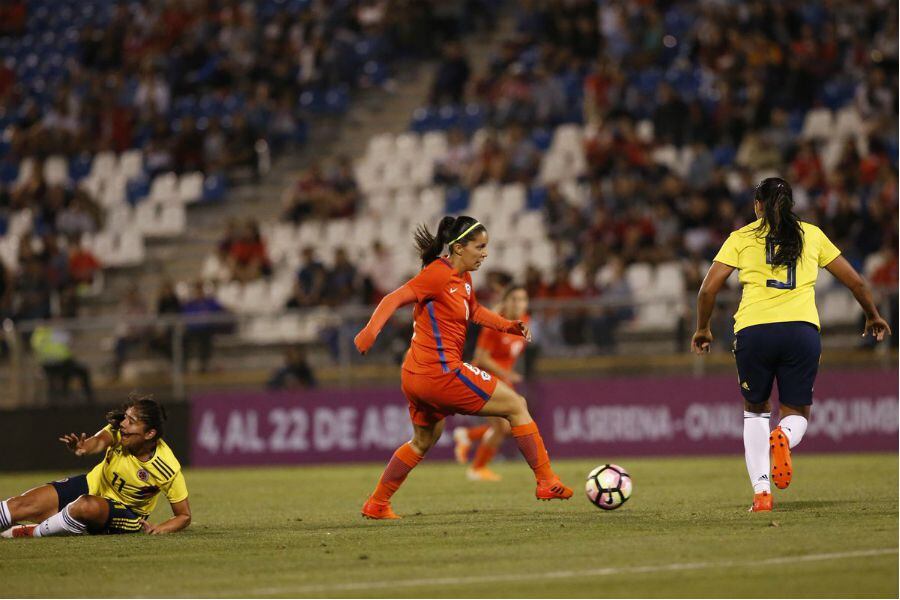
{"points": [[784, 352], [121, 518]]}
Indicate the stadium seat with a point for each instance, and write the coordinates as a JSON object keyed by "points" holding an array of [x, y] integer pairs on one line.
{"points": [[818, 124], [164, 188], [131, 163], [56, 171], [190, 188]]}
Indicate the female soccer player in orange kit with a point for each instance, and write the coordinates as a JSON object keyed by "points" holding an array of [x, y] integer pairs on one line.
{"points": [[496, 352], [434, 379]]}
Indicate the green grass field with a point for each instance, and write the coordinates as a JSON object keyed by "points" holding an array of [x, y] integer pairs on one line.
{"points": [[685, 532]]}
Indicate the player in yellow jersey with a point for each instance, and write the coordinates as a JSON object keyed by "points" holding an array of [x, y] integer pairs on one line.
{"points": [[777, 325], [117, 495]]}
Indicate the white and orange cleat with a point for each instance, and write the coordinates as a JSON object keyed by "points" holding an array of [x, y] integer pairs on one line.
{"points": [[462, 444], [762, 502], [482, 474], [19, 531], [782, 467]]}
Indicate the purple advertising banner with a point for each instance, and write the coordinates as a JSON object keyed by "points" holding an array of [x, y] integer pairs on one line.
{"points": [[639, 416]]}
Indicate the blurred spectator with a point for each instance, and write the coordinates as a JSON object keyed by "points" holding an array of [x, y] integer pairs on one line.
{"points": [[128, 334], [613, 288], [198, 335], [380, 272], [452, 167], [52, 349], [309, 289], [247, 257], [167, 303], [296, 371], [83, 265], [342, 284], [451, 77]]}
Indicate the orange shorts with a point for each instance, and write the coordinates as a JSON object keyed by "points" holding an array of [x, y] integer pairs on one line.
{"points": [[432, 397]]}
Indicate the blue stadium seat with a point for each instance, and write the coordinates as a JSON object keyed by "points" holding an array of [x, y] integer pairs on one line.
{"points": [[473, 117], [79, 167], [448, 117], [456, 200], [542, 138], [424, 119], [137, 190], [214, 188], [724, 155], [537, 196]]}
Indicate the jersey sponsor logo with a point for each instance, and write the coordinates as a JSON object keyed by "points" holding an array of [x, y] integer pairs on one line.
{"points": [[453, 290], [143, 475]]}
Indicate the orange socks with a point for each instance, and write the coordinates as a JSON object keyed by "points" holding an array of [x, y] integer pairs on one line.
{"points": [[401, 463], [476, 433], [483, 456], [532, 448]]}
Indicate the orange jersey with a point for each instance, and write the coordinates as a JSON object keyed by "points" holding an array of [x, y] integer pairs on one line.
{"points": [[445, 301], [503, 348]]}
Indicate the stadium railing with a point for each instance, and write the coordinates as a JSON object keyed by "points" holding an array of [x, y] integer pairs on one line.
{"points": [[639, 335]]}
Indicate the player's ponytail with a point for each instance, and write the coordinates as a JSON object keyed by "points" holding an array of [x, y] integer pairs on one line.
{"points": [[779, 222], [460, 229]]}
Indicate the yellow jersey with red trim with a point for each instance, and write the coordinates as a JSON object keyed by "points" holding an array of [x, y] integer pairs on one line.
{"points": [[123, 478]]}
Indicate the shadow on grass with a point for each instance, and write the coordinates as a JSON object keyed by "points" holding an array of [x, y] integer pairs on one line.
{"points": [[808, 504]]}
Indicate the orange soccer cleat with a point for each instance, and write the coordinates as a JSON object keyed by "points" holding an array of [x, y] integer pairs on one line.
{"points": [[462, 445], [19, 531], [482, 474], [552, 489], [376, 510], [782, 469], [762, 502]]}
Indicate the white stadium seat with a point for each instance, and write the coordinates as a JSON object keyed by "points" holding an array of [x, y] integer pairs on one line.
{"points": [[164, 188], [190, 187]]}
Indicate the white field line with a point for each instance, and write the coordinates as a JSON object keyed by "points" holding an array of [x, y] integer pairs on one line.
{"points": [[360, 586]]}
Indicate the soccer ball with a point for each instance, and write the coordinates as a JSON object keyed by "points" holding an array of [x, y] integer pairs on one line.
{"points": [[608, 486]]}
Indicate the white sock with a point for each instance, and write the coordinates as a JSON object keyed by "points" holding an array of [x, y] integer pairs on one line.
{"points": [[62, 523], [794, 426], [5, 518], [756, 450]]}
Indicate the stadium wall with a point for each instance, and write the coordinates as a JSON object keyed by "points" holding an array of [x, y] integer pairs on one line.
{"points": [[611, 417], [29, 438]]}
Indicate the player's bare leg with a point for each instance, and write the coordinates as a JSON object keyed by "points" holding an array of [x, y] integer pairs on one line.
{"points": [[498, 431], [511, 406], [407, 456], [35, 505], [463, 438], [790, 430]]}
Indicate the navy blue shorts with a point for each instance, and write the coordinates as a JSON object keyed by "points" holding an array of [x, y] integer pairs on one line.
{"points": [[788, 352], [121, 518]]}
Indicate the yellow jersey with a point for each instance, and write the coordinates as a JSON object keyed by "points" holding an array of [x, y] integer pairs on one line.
{"points": [[776, 294], [136, 484]]}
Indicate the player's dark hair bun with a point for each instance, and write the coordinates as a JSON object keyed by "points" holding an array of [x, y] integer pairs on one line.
{"points": [[449, 229]]}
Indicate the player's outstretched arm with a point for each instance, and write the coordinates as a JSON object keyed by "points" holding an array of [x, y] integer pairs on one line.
{"points": [[81, 445], [706, 300], [847, 275], [181, 518], [488, 318], [388, 306]]}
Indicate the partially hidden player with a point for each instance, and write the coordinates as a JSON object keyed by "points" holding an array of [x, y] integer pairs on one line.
{"points": [[434, 379], [117, 495], [777, 326], [495, 352]]}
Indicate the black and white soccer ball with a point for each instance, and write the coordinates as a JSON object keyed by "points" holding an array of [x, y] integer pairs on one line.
{"points": [[608, 487]]}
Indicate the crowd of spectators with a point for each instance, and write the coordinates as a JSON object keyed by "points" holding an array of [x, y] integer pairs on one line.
{"points": [[684, 105]]}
